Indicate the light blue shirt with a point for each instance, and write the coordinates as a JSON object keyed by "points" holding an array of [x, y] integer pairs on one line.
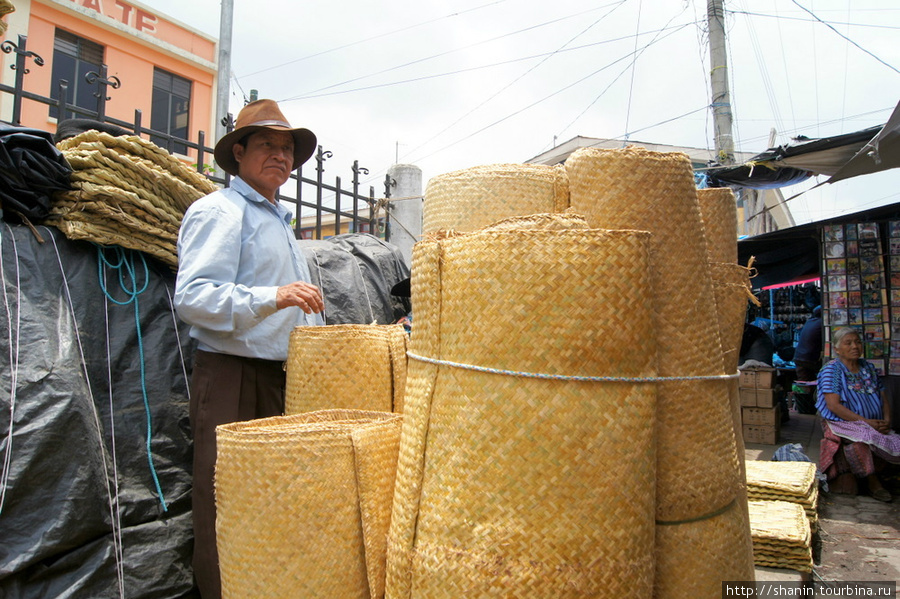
{"points": [[235, 248]]}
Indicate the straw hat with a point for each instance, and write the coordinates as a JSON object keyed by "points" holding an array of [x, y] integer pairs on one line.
{"points": [[258, 115]]}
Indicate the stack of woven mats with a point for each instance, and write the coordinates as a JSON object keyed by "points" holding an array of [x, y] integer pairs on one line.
{"points": [[781, 535], [6, 7], [778, 491], [127, 192], [785, 481]]}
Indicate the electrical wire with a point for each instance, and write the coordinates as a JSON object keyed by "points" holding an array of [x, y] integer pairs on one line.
{"points": [[547, 97], [373, 38], [316, 93], [813, 15], [514, 81]]}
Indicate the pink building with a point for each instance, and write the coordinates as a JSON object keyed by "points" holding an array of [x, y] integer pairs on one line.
{"points": [[166, 69]]}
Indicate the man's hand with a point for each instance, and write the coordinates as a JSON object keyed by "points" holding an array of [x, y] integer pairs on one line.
{"points": [[307, 297]]}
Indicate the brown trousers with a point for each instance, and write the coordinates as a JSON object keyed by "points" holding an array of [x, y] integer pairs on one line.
{"points": [[223, 389]]}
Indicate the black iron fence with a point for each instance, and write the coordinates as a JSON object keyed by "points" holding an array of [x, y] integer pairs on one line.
{"points": [[321, 209]]}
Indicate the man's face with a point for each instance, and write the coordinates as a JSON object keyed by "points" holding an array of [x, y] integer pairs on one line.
{"points": [[265, 164]]}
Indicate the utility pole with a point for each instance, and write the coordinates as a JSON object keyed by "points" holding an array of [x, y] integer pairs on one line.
{"points": [[223, 83], [718, 76]]}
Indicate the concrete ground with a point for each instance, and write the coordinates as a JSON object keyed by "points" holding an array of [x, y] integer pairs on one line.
{"points": [[858, 536]]}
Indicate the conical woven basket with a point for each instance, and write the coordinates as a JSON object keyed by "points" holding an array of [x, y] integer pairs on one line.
{"points": [[303, 504], [473, 198], [346, 366], [718, 208], [526, 477], [633, 188]]}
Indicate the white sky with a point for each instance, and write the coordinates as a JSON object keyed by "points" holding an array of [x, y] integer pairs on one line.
{"points": [[449, 85]]}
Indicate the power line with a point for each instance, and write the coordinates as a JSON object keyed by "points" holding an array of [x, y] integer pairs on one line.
{"points": [[374, 37], [511, 83], [441, 54], [845, 37], [547, 97], [476, 68]]}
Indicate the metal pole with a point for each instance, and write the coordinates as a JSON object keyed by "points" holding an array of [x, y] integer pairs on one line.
{"points": [[223, 80]]}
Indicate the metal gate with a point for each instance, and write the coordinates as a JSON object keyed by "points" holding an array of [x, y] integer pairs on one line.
{"points": [[321, 209]]}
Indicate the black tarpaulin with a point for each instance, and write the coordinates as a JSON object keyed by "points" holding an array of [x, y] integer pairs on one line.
{"points": [[788, 254], [356, 272], [31, 169], [81, 492], [81, 513]]}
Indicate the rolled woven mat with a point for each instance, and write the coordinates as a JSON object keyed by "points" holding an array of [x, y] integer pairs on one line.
{"points": [[524, 470], [473, 198], [698, 472], [693, 558], [718, 208], [303, 504], [346, 366]]}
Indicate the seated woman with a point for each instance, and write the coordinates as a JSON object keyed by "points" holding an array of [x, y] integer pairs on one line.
{"points": [[856, 418]]}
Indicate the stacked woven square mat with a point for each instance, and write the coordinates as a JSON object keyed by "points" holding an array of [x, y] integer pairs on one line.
{"points": [[780, 538]]}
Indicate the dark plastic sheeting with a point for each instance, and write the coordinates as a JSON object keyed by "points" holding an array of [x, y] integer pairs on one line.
{"points": [[72, 442], [79, 427]]}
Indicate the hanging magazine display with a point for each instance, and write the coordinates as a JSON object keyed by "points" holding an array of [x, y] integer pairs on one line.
{"points": [[894, 297], [856, 291]]}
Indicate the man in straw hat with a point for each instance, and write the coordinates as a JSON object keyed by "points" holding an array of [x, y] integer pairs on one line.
{"points": [[243, 285]]}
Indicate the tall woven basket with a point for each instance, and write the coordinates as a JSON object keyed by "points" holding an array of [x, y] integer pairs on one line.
{"points": [[470, 199], [346, 366], [698, 474], [523, 471], [303, 504]]}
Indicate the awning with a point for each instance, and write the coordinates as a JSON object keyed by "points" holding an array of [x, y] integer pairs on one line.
{"points": [[839, 157]]}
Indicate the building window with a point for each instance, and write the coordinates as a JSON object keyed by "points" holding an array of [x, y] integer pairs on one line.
{"points": [[73, 58], [170, 109]]}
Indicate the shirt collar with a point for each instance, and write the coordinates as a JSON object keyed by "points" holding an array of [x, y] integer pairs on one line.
{"points": [[251, 195]]}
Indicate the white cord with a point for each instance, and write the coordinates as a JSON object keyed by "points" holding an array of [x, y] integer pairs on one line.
{"points": [[13, 363], [117, 520], [117, 541]]}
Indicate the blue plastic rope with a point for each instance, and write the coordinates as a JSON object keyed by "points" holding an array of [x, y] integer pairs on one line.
{"points": [[566, 377], [125, 265]]}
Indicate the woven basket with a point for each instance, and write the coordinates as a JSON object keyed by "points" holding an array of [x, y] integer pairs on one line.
{"points": [[473, 198], [511, 485], [303, 504], [346, 366], [718, 209], [698, 472]]}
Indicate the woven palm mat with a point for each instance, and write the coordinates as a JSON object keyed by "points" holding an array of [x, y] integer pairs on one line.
{"points": [[473, 198], [127, 191], [633, 188], [303, 504], [107, 232], [718, 209], [715, 545], [781, 535], [517, 486], [347, 366]]}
